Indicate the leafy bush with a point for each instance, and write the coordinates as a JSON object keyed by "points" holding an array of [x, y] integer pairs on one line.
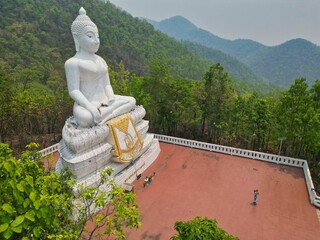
{"points": [[200, 228]]}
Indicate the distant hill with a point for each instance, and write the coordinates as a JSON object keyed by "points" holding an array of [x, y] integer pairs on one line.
{"points": [[296, 58], [187, 30], [280, 64], [182, 29], [231, 65]]}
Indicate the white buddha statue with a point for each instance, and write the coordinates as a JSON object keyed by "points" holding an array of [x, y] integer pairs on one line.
{"points": [[88, 78], [104, 127]]}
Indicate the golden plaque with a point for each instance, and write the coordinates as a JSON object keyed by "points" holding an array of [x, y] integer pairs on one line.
{"points": [[127, 140]]}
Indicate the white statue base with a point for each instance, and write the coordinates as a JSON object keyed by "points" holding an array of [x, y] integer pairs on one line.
{"points": [[124, 173], [86, 151]]}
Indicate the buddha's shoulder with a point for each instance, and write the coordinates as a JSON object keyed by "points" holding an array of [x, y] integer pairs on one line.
{"points": [[101, 59], [76, 61], [72, 62]]}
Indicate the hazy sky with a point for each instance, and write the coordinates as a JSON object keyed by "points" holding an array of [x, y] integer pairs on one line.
{"points": [[270, 22]]}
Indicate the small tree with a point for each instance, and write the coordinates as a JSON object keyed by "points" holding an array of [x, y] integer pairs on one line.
{"points": [[215, 99], [107, 206], [32, 205], [35, 204], [200, 228]]}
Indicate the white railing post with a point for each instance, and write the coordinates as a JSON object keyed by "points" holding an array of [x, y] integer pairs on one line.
{"points": [[49, 150]]}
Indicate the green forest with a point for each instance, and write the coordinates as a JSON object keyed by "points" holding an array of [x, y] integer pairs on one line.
{"points": [[184, 95]]}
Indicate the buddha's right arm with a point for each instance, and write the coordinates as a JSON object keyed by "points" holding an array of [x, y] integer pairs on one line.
{"points": [[81, 100], [73, 80]]}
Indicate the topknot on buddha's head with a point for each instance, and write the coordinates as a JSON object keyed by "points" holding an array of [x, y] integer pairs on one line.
{"points": [[81, 22]]}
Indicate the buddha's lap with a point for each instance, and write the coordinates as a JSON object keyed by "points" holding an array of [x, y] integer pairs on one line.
{"points": [[120, 102]]}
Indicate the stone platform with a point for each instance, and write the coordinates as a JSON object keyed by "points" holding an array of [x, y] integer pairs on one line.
{"points": [[127, 173], [87, 151], [123, 172]]}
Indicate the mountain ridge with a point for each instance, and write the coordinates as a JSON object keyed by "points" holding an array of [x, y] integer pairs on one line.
{"points": [[182, 29], [258, 57]]}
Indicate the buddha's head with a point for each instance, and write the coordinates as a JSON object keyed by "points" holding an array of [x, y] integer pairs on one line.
{"points": [[85, 33]]}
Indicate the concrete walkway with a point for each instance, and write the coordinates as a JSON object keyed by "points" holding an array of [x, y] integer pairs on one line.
{"points": [[191, 182]]}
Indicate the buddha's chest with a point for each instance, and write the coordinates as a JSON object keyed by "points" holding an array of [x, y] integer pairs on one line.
{"points": [[92, 70]]}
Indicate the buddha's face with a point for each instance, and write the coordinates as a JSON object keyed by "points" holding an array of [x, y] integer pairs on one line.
{"points": [[89, 39]]}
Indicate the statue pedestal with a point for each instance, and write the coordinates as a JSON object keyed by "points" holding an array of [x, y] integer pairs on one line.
{"points": [[86, 151]]}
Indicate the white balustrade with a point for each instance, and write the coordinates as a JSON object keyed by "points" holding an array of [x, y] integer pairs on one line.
{"points": [[49, 150]]}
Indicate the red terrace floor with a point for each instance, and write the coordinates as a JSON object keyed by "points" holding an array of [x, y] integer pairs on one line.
{"points": [[50, 162], [192, 183]]}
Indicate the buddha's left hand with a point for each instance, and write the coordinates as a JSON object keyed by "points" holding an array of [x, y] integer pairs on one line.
{"points": [[107, 103]]}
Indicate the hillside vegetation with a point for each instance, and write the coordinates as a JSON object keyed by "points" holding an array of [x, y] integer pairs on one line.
{"points": [[282, 64], [236, 69], [37, 33]]}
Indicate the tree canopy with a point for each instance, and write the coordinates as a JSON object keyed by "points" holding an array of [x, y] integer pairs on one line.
{"points": [[200, 228]]}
